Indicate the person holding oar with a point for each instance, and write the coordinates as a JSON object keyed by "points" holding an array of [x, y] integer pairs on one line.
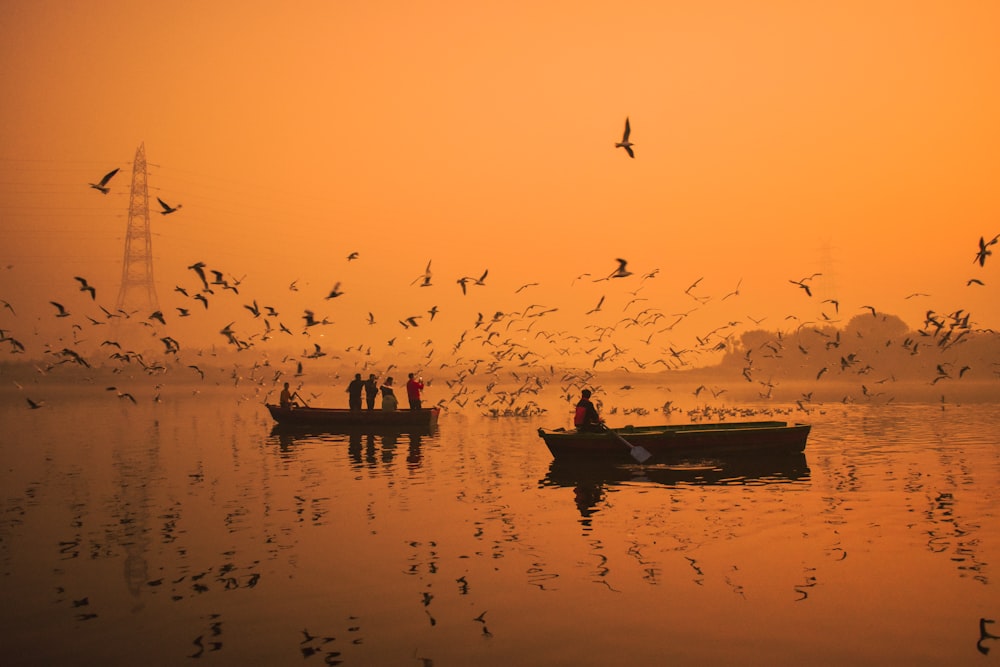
{"points": [[587, 419], [288, 398]]}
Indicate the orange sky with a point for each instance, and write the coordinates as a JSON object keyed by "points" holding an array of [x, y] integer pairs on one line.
{"points": [[774, 140]]}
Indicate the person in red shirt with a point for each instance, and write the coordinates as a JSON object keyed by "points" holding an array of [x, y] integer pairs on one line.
{"points": [[586, 417], [413, 388]]}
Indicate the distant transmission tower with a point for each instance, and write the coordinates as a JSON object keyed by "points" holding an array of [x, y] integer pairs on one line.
{"points": [[138, 292]]}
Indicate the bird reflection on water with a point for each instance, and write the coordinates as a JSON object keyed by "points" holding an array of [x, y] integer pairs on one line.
{"points": [[591, 479]]}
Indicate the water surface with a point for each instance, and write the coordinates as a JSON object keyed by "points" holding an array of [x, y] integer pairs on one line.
{"points": [[186, 530]]}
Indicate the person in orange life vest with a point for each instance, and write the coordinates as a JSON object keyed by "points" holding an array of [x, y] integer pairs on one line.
{"points": [[413, 389], [586, 417]]}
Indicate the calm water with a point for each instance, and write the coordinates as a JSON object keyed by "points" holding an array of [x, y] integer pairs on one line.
{"points": [[184, 532]]}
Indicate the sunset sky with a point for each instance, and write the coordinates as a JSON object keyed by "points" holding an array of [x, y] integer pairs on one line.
{"points": [[773, 141]]}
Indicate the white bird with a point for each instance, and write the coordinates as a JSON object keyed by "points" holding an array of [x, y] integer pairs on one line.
{"points": [[102, 184], [625, 143]]}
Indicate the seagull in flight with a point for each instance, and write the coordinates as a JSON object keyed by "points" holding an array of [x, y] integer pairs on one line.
{"points": [[424, 278], [335, 292], [621, 271], [625, 143], [167, 208], [102, 185], [86, 287], [199, 268], [984, 250]]}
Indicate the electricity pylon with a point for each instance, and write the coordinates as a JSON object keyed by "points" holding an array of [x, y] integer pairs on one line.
{"points": [[138, 291]]}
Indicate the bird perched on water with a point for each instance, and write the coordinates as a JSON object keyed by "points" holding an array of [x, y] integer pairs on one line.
{"points": [[625, 143], [85, 287], [102, 185], [167, 208]]}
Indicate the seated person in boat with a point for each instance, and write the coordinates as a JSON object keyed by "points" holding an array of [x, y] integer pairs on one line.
{"points": [[389, 401], [586, 417], [287, 399]]}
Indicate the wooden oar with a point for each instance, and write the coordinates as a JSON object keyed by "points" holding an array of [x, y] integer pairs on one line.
{"points": [[640, 454]]}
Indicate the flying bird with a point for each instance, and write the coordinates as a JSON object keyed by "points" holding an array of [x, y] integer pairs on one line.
{"points": [[335, 292], [85, 287], [167, 208], [620, 272], [199, 268], [984, 250], [802, 283], [62, 311], [425, 278], [596, 308], [102, 185], [625, 143]]}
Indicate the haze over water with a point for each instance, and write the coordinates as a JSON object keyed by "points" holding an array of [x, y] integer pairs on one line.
{"points": [[806, 231], [186, 531]]}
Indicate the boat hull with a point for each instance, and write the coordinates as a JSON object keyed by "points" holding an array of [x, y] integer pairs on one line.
{"points": [[682, 440], [336, 420]]}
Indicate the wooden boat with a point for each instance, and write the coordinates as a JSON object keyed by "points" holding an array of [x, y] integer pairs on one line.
{"points": [[344, 420], [681, 440]]}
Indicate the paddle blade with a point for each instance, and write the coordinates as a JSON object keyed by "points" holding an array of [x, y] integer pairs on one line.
{"points": [[640, 454]]}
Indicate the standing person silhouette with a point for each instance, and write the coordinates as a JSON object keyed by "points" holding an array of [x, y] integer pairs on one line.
{"points": [[371, 391], [413, 388], [389, 401], [354, 391]]}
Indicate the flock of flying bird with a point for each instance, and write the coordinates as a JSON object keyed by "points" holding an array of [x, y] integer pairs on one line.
{"points": [[499, 355]]}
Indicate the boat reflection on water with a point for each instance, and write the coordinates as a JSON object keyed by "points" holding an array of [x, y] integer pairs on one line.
{"points": [[590, 479], [364, 445]]}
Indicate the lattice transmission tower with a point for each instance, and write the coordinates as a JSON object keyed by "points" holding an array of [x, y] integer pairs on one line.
{"points": [[138, 291]]}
